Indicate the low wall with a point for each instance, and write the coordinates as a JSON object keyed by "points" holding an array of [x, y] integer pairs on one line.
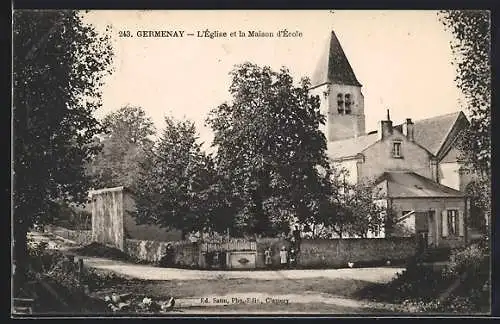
{"points": [[338, 252], [186, 254], [332, 253], [78, 236]]}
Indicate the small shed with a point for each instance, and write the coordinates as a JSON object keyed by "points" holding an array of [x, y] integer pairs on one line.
{"points": [[113, 222]]}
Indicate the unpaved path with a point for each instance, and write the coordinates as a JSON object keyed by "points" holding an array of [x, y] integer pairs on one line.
{"points": [[147, 272]]}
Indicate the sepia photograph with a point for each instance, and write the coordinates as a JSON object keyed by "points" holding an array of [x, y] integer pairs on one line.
{"points": [[251, 162]]}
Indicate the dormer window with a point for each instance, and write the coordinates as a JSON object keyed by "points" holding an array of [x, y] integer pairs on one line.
{"points": [[340, 103], [396, 150], [348, 104]]}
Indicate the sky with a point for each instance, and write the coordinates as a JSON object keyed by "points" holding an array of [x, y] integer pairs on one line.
{"points": [[402, 59]]}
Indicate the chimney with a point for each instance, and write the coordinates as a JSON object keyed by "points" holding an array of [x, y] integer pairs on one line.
{"points": [[408, 130], [385, 127]]}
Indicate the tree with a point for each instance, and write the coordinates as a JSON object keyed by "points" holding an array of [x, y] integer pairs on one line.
{"points": [[175, 189], [124, 147], [269, 148], [471, 48], [351, 208], [58, 70]]}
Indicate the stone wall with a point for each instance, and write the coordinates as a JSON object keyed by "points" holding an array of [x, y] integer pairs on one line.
{"points": [[338, 252], [335, 253], [78, 236], [186, 254]]}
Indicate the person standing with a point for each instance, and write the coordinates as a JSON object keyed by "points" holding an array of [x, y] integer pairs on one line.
{"points": [[267, 257], [293, 258], [283, 257]]}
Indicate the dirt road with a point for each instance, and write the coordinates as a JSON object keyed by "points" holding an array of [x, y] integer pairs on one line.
{"points": [[147, 272]]}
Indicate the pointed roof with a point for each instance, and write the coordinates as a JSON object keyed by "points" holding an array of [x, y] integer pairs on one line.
{"points": [[334, 66], [413, 185], [432, 132]]}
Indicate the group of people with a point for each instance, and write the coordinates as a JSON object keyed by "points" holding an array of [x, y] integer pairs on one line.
{"points": [[288, 257]]}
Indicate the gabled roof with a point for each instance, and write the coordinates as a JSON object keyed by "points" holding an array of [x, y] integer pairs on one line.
{"points": [[350, 147], [333, 66], [411, 185], [432, 132]]}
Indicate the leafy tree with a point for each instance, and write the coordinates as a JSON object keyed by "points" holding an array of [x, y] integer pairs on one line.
{"points": [[58, 70], [269, 147], [351, 208], [175, 190], [124, 147], [472, 47]]}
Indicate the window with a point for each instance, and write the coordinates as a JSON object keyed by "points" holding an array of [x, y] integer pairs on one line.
{"points": [[396, 149], [348, 104], [340, 103], [452, 221]]}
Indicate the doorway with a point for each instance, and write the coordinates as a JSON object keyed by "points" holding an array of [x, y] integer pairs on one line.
{"points": [[422, 240]]}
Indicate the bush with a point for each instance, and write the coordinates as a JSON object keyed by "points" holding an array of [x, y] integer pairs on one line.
{"points": [[417, 283], [418, 288], [465, 260]]}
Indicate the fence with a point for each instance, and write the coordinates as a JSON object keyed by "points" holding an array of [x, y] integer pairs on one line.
{"points": [[232, 245]]}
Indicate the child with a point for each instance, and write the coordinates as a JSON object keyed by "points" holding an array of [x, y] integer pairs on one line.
{"points": [[267, 255], [283, 257], [293, 257]]}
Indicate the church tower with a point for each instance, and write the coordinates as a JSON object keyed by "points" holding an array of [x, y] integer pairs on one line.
{"points": [[341, 99]]}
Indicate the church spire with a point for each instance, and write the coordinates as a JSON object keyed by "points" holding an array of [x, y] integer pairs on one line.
{"points": [[334, 66]]}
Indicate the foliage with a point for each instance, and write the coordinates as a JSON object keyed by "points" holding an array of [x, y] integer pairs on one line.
{"points": [[175, 190], [472, 47], [419, 288], [124, 147], [269, 147], [58, 70], [70, 216], [352, 208], [469, 259], [479, 191]]}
